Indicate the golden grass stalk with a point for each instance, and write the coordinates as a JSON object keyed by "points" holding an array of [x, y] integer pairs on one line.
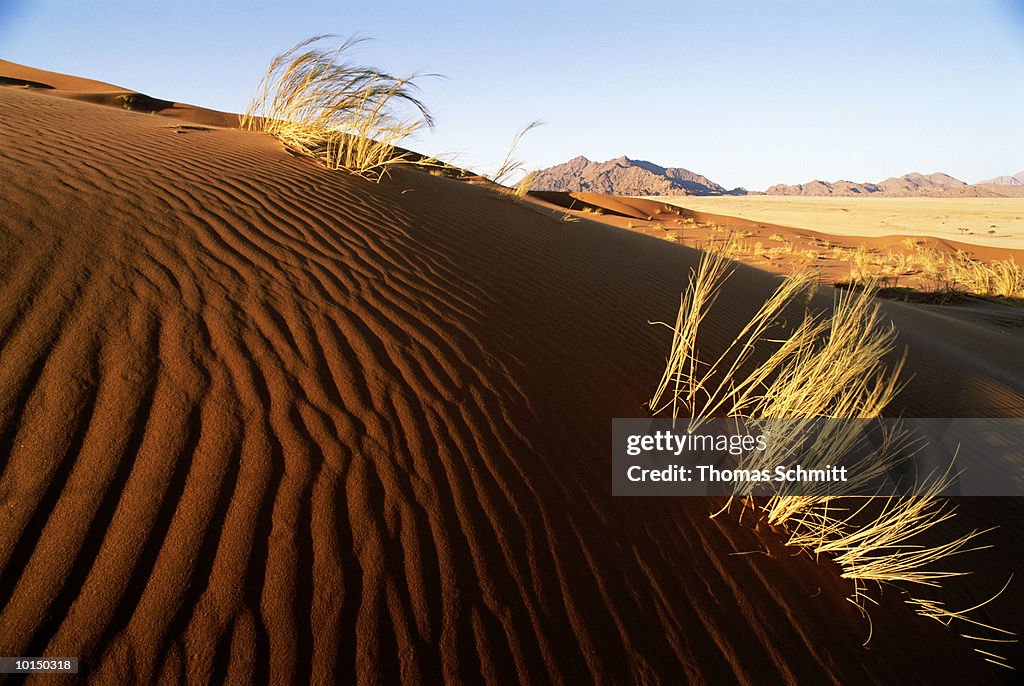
{"points": [[884, 547], [681, 380], [936, 610], [321, 104], [510, 165], [715, 389]]}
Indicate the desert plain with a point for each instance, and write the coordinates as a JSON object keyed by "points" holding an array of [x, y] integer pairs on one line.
{"points": [[995, 222]]}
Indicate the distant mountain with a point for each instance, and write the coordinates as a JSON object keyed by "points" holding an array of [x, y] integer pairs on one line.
{"points": [[1015, 180], [920, 184], [623, 176], [908, 185], [820, 188]]}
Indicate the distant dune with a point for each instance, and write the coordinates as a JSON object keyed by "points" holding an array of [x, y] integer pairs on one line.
{"points": [[261, 422]]}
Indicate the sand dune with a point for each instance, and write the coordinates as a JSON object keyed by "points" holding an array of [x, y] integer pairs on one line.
{"points": [[263, 422], [13, 75]]}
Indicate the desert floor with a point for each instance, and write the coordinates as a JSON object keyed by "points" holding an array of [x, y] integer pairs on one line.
{"points": [[995, 222]]}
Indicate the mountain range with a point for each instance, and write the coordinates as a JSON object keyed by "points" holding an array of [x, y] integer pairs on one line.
{"points": [[625, 176], [906, 185], [1015, 180]]}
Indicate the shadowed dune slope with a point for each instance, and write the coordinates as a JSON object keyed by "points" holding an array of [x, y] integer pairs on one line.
{"points": [[262, 422]]}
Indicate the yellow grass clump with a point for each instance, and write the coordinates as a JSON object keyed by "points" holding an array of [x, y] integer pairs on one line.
{"points": [[942, 272], [812, 386], [523, 187], [321, 104], [1000, 278]]}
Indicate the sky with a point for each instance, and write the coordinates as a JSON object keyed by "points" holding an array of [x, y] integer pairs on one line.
{"points": [[747, 93]]}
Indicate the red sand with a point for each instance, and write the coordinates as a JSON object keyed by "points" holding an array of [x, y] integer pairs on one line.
{"points": [[263, 422]]}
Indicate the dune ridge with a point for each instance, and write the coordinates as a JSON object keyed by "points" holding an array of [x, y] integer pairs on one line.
{"points": [[264, 422]]}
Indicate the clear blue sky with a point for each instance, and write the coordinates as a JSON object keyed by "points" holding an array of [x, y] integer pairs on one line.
{"points": [[747, 93]]}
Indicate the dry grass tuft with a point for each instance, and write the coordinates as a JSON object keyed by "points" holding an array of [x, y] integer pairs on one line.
{"points": [[942, 272], [825, 372], [523, 187], [510, 165], [1002, 278], [321, 104]]}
